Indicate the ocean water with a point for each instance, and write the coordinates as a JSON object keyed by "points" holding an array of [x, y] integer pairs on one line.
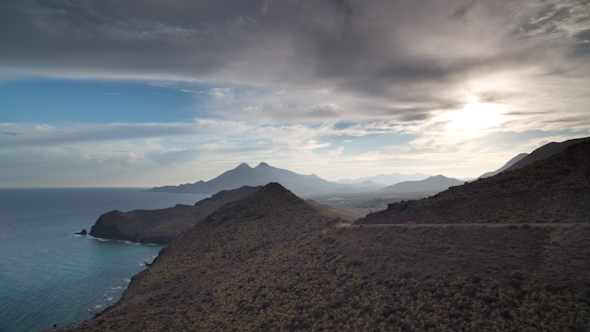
{"points": [[48, 275]]}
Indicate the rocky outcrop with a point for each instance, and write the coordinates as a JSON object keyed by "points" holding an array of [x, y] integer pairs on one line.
{"points": [[83, 232], [163, 225]]}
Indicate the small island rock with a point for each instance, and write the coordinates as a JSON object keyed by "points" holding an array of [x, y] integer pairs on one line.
{"points": [[83, 232]]}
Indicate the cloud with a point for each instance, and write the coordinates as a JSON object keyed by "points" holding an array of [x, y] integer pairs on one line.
{"points": [[459, 13], [394, 60], [281, 80]]}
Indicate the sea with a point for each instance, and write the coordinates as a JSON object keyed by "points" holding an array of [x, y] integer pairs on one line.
{"points": [[51, 276]]}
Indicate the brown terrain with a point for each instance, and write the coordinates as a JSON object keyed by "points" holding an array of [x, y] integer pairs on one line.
{"points": [[163, 225], [274, 262], [553, 190]]}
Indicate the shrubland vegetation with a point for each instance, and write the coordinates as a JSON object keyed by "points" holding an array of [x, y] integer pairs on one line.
{"points": [[554, 190], [273, 262]]}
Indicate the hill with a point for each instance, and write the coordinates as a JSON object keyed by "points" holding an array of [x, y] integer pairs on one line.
{"points": [[541, 153], [244, 175], [506, 166], [272, 261], [162, 225], [556, 189], [545, 152], [431, 184]]}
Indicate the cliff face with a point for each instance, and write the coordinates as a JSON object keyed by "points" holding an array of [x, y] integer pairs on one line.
{"points": [[163, 225], [556, 189], [273, 262]]}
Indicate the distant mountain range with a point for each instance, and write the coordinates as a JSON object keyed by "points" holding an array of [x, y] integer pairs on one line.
{"points": [[541, 153], [433, 183], [244, 175], [386, 179]]}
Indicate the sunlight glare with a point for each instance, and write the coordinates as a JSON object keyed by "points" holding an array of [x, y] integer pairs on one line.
{"points": [[475, 116]]}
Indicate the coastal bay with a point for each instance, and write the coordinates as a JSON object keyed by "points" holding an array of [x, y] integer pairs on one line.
{"points": [[48, 274]]}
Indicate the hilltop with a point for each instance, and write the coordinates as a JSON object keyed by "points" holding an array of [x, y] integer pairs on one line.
{"points": [[162, 225], [272, 262], [556, 189]]}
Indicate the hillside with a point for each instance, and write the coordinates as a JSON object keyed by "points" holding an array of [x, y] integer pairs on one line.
{"points": [[545, 152], [162, 225], [506, 166], [556, 189], [274, 262], [431, 184]]}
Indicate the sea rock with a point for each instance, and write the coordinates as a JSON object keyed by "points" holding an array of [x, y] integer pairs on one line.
{"points": [[83, 232]]}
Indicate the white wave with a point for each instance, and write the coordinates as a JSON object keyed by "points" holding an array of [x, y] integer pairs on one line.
{"points": [[103, 240]]}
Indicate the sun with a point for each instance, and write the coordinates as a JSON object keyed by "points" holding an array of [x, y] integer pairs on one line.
{"points": [[475, 116]]}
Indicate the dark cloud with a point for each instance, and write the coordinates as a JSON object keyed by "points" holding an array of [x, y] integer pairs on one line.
{"points": [[10, 133], [378, 52], [460, 12]]}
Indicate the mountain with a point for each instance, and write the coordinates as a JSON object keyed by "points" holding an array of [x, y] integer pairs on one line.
{"points": [[386, 179], [433, 183], [244, 175], [556, 189], [162, 225], [506, 166], [274, 262]]}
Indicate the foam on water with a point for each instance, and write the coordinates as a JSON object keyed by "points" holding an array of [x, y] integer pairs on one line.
{"points": [[48, 274]]}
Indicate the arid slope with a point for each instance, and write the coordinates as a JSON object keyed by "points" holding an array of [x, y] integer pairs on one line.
{"points": [[556, 189], [273, 262]]}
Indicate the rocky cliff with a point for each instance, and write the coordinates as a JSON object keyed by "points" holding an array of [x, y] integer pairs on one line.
{"points": [[162, 225]]}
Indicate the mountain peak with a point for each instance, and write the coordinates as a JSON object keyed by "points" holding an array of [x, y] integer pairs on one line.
{"points": [[263, 164], [243, 165]]}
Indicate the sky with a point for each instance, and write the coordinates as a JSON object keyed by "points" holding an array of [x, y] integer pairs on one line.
{"points": [[149, 93]]}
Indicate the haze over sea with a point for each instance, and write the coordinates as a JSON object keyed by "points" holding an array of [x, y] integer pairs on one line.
{"points": [[48, 275]]}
